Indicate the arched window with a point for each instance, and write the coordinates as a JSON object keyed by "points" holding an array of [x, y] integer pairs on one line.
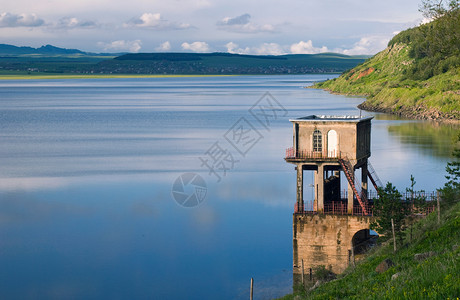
{"points": [[332, 144], [317, 141]]}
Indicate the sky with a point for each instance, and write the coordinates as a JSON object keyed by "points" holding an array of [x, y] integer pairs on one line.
{"points": [[273, 27]]}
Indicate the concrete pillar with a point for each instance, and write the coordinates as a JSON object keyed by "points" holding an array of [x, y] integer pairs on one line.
{"points": [[299, 187], [364, 172], [319, 187], [350, 198]]}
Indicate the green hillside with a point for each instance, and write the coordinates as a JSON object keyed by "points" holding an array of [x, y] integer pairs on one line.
{"points": [[417, 75]]}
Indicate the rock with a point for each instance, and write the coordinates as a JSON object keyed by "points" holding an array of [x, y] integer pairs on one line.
{"points": [[423, 256], [298, 297], [454, 247], [317, 284], [395, 275], [384, 265]]}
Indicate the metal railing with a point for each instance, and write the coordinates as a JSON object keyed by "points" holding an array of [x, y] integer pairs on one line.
{"points": [[292, 153]]}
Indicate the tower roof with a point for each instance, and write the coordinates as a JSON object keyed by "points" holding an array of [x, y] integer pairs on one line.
{"points": [[326, 118]]}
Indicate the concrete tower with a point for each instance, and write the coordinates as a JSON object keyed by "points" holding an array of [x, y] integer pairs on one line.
{"points": [[328, 145], [329, 228]]}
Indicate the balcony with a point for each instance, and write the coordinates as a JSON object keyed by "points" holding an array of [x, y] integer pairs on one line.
{"points": [[293, 155]]}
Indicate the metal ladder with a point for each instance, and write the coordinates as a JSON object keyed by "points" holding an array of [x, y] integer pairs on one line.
{"points": [[350, 174], [372, 174]]}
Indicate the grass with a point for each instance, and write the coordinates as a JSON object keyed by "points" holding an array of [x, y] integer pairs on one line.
{"points": [[437, 277]]}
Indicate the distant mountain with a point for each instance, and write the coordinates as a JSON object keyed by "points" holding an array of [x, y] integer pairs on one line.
{"points": [[417, 75], [43, 50]]}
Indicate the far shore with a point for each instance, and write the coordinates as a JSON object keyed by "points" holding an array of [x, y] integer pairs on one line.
{"points": [[97, 76]]}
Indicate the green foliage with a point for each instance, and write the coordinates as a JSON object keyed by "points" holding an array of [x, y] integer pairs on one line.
{"points": [[434, 9], [451, 190], [416, 201], [434, 46], [453, 169], [387, 207], [322, 273]]}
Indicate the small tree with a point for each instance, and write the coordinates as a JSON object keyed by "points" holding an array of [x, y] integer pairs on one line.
{"points": [[389, 206], [451, 189], [453, 169], [417, 202]]}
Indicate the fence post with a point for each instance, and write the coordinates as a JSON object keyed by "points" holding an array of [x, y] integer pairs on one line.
{"points": [[394, 237], [439, 208], [252, 289]]}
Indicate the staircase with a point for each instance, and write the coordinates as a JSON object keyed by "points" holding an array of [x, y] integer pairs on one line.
{"points": [[373, 176], [350, 174]]}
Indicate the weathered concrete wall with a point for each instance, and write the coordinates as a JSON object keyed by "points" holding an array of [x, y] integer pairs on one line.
{"points": [[346, 134], [325, 240], [353, 139]]}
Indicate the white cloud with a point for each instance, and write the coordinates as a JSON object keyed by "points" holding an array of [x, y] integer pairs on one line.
{"points": [[240, 20], [72, 22], [233, 48], [196, 47], [268, 49], [154, 21], [242, 24], [166, 46], [20, 20], [306, 48], [426, 20], [367, 46], [122, 46]]}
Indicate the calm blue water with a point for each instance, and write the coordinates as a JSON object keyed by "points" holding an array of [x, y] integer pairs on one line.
{"points": [[87, 168]]}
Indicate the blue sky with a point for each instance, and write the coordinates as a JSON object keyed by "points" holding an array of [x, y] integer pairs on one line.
{"points": [[237, 26]]}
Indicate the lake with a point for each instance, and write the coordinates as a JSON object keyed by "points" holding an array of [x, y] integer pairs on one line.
{"points": [[93, 174]]}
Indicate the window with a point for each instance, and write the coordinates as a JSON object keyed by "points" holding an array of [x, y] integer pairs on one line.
{"points": [[317, 141]]}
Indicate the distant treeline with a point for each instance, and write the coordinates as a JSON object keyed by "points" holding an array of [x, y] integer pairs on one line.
{"points": [[190, 56], [50, 59]]}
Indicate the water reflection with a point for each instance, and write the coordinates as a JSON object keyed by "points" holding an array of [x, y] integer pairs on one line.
{"points": [[431, 138]]}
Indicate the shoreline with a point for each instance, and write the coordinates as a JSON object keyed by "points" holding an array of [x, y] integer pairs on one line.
{"points": [[105, 76], [100, 76], [416, 113]]}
